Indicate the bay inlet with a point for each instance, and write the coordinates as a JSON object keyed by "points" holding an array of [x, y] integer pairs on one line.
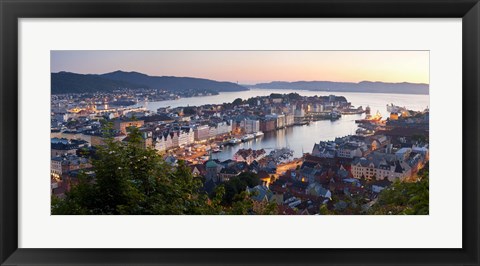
{"points": [[301, 139]]}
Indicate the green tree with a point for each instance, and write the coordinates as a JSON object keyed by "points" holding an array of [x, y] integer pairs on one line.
{"points": [[132, 180], [189, 111], [405, 198], [294, 96], [420, 138], [243, 204], [252, 101], [238, 184], [237, 101], [325, 211]]}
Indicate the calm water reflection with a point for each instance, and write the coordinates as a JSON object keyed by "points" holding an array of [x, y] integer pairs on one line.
{"points": [[377, 101], [298, 138], [302, 138]]}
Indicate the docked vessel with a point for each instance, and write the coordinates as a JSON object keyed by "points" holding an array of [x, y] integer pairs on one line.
{"points": [[335, 115], [234, 141], [395, 109], [364, 132], [248, 137], [258, 134], [352, 111]]}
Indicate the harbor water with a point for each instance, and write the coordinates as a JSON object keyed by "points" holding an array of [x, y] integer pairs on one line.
{"points": [[301, 139]]}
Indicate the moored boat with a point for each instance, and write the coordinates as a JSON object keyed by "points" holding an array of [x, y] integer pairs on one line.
{"points": [[258, 134], [248, 137], [234, 141]]}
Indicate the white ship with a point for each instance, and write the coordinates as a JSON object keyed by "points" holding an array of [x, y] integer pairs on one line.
{"points": [[395, 109], [258, 134], [234, 141], [248, 137]]}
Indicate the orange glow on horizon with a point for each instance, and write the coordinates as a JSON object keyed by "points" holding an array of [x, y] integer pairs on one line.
{"points": [[250, 67]]}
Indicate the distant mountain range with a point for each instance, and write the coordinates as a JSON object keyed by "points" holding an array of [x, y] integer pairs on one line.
{"points": [[364, 86], [67, 82]]}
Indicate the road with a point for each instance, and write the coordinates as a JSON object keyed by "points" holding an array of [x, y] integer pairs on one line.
{"points": [[281, 168]]}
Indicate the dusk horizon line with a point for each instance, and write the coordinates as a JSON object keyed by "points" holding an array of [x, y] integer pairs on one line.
{"points": [[241, 83]]}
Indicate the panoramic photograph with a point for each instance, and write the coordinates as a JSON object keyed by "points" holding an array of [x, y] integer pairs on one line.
{"points": [[239, 132]]}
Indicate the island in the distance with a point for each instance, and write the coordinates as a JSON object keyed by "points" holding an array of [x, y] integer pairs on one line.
{"points": [[363, 86], [67, 82]]}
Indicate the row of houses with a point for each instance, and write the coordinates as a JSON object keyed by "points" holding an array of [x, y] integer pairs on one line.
{"points": [[249, 155], [276, 121], [174, 139], [205, 132]]}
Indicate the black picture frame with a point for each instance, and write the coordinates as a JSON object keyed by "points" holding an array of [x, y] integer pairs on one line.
{"points": [[11, 11]]}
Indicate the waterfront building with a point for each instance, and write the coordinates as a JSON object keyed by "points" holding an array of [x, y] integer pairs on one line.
{"points": [[299, 114], [201, 133], [280, 121], [175, 139], [317, 108], [267, 125], [224, 127], [182, 138], [212, 132], [160, 143], [278, 118], [250, 125], [289, 120]]}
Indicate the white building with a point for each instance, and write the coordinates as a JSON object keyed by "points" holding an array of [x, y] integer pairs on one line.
{"points": [[250, 126], [279, 119], [184, 138], [163, 142], [289, 120], [380, 167], [220, 129], [201, 133]]}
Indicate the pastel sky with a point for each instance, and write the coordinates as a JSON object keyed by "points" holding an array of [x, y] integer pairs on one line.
{"points": [[250, 67]]}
